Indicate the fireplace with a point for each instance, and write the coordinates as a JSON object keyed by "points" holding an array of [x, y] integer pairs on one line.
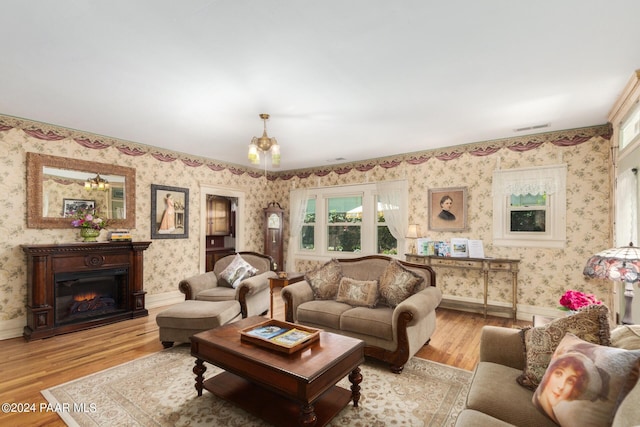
{"points": [[83, 285]]}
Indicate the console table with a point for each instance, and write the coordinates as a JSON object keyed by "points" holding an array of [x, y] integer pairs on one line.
{"points": [[486, 265]]}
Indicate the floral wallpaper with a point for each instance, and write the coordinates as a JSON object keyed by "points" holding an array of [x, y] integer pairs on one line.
{"points": [[544, 273]]}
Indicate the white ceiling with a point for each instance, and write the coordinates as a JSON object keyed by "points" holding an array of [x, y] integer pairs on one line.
{"points": [[348, 79]]}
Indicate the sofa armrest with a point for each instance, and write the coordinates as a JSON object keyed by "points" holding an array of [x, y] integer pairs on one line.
{"points": [[294, 295], [253, 285], [503, 346], [419, 304], [193, 285]]}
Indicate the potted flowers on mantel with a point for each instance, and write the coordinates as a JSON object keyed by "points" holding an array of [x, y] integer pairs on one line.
{"points": [[90, 222], [574, 300]]}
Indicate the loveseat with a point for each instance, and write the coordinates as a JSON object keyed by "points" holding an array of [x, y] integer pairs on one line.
{"points": [[364, 304], [250, 290], [496, 398]]}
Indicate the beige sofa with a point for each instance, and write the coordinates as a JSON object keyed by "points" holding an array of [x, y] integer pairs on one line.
{"points": [[392, 335], [496, 399], [252, 293]]}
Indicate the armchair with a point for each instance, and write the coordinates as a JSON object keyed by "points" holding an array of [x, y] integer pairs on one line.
{"points": [[252, 293]]}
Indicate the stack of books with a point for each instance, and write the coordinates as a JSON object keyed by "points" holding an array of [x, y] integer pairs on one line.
{"points": [[120, 236]]}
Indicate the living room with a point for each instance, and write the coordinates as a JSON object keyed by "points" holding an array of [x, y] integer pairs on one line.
{"points": [[544, 273]]}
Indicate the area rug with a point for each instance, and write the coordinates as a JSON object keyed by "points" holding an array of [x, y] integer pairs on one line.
{"points": [[158, 390]]}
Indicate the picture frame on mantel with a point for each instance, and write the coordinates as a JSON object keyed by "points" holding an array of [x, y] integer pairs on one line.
{"points": [[169, 212], [448, 209]]}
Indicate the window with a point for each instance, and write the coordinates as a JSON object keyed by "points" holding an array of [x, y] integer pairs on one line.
{"points": [[386, 243], [351, 219], [630, 128], [307, 235], [529, 207], [344, 216], [528, 213]]}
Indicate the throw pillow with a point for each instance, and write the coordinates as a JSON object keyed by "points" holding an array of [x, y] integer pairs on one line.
{"points": [[237, 271], [397, 283], [358, 293], [585, 382], [590, 323], [626, 336], [325, 280]]}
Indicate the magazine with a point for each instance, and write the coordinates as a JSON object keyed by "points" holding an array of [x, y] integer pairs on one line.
{"points": [[267, 332], [291, 338]]}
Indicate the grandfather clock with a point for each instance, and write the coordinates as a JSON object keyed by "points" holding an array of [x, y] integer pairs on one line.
{"points": [[273, 233]]}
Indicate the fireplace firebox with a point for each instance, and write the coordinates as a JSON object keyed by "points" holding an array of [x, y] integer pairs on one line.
{"points": [[82, 285], [85, 295]]}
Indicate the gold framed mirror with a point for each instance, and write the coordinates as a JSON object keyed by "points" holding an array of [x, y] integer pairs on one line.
{"points": [[54, 183]]}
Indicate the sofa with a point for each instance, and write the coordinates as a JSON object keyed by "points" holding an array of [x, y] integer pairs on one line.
{"points": [[251, 290], [368, 304], [495, 397]]}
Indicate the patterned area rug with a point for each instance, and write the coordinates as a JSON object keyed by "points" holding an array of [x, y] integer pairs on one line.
{"points": [[158, 390]]}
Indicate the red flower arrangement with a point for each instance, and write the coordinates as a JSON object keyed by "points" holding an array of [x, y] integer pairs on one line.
{"points": [[575, 300]]}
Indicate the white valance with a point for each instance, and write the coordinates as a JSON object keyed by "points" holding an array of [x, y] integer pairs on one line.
{"points": [[536, 180]]}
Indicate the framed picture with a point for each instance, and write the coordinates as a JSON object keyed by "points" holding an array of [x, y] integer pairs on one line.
{"points": [[69, 206], [169, 212], [448, 209]]}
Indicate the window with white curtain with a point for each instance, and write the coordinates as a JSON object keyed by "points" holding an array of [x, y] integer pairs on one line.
{"points": [[529, 206], [364, 218]]}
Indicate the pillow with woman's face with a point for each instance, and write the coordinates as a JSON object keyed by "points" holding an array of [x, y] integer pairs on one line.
{"points": [[585, 382]]}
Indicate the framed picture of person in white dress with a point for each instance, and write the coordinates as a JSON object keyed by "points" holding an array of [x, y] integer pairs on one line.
{"points": [[448, 209], [169, 212]]}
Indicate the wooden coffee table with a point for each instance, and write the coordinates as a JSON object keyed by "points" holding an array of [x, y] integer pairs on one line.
{"points": [[282, 389]]}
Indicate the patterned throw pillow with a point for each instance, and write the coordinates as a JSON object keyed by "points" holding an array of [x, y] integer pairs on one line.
{"points": [[585, 382], [589, 323], [358, 293], [397, 283], [325, 280], [237, 271], [626, 336]]}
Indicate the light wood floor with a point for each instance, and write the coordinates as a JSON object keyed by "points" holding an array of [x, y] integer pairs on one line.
{"points": [[26, 368]]}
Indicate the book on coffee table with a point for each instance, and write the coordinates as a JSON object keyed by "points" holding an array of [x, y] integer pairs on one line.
{"points": [[268, 331], [280, 336], [291, 338]]}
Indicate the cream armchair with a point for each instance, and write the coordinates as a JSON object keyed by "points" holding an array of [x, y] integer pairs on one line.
{"points": [[252, 293]]}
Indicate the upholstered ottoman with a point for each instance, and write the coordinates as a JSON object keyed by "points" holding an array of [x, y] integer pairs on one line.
{"points": [[187, 318]]}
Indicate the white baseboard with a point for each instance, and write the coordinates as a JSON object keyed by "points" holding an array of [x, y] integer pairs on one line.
{"points": [[12, 328], [160, 300]]}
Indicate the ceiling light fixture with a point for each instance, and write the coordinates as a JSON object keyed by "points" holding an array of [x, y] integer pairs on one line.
{"points": [[97, 183], [264, 144]]}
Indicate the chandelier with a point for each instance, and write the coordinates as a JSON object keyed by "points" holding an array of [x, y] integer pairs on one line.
{"points": [[97, 183], [264, 144]]}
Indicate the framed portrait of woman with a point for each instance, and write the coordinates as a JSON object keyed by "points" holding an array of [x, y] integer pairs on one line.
{"points": [[169, 212], [448, 209]]}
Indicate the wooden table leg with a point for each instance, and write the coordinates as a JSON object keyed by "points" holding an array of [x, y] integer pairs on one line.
{"points": [[308, 417], [199, 369], [356, 378]]}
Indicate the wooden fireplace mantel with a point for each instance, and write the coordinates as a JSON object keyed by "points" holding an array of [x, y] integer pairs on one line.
{"points": [[44, 261]]}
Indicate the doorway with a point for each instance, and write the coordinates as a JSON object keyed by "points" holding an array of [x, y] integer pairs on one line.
{"points": [[213, 246]]}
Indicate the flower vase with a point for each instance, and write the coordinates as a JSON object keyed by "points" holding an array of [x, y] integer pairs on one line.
{"points": [[89, 234]]}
